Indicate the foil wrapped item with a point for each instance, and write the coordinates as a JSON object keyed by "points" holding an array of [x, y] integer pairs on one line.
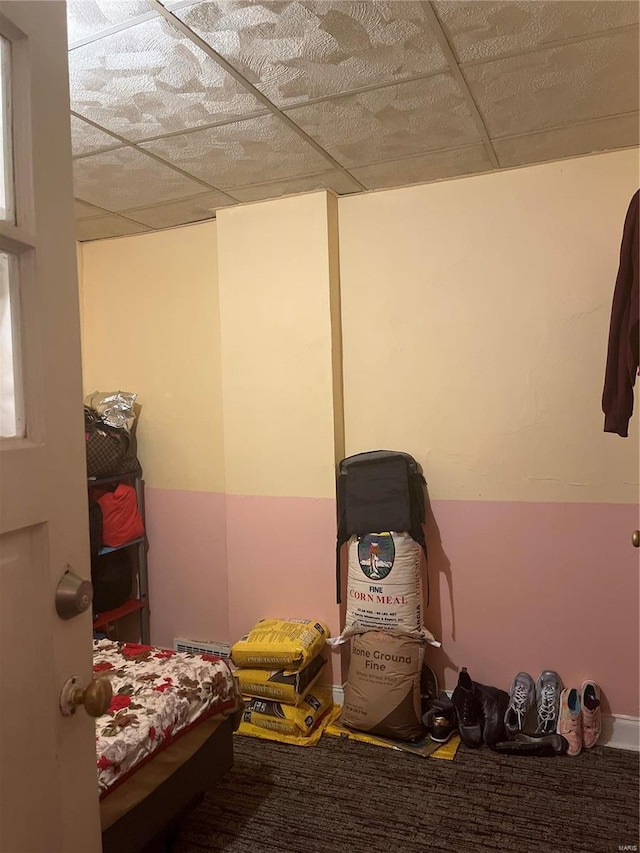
{"points": [[114, 407]]}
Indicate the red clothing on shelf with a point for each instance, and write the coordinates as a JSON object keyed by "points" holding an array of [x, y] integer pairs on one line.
{"points": [[121, 521]]}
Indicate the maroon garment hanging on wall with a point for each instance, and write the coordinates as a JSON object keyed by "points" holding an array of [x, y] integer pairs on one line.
{"points": [[622, 353]]}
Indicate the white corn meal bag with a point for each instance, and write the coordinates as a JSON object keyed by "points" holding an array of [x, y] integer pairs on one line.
{"points": [[384, 586]]}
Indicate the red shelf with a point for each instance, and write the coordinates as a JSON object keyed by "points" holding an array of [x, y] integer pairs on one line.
{"points": [[131, 606]]}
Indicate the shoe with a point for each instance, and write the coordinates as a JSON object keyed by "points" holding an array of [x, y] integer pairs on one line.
{"points": [[570, 720], [548, 689], [466, 702], [493, 704], [591, 713], [522, 696], [428, 687], [538, 745], [440, 719]]}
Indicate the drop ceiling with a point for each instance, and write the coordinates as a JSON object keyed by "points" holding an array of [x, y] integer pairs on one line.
{"points": [[181, 108]]}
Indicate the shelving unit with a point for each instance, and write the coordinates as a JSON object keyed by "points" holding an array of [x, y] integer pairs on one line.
{"points": [[139, 600]]}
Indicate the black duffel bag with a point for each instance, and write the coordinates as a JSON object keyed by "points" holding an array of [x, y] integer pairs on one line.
{"points": [[112, 579]]}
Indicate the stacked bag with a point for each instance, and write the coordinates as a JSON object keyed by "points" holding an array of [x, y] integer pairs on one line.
{"points": [[383, 491], [279, 663]]}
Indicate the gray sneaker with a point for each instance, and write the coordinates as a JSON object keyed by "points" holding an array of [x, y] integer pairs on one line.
{"points": [[548, 689], [522, 696]]}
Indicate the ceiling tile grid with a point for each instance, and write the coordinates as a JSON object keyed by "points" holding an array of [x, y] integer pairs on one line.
{"points": [[125, 178], [339, 182], [425, 167], [87, 139], [150, 80], [393, 121], [570, 141], [294, 51], [480, 30], [244, 152], [87, 18], [99, 227], [179, 212], [262, 98], [560, 85], [83, 210]]}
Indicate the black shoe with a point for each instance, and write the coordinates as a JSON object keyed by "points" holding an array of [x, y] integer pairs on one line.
{"points": [[440, 719], [494, 704], [538, 745], [466, 701]]}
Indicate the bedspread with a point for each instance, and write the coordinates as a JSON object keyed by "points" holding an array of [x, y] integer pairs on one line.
{"points": [[157, 695]]}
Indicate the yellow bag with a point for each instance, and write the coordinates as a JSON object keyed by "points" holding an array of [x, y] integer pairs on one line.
{"points": [[289, 719], [280, 685], [287, 643], [249, 730]]}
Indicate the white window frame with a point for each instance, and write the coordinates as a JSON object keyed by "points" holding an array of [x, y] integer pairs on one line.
{"points": [[18, 238]]}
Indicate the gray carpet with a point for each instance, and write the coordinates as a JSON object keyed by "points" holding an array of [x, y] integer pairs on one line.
{"points": [[346, 797]]}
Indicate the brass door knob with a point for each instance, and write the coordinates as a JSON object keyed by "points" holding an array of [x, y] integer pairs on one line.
{"points": [[95, 697], [635, 538]]}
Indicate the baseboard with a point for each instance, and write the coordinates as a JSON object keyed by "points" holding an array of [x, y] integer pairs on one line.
{"points": [[620, 732], [338, 693]]}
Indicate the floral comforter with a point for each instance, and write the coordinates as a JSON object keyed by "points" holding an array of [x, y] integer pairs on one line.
{"points": [[157, 695]]}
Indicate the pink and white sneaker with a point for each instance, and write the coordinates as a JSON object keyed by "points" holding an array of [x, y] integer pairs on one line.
{"points": [[570, 720], [591, 714]]}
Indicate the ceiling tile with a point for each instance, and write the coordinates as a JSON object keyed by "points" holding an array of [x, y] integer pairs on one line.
{"points": [[426, 167], [88, 17], [126, 178], [106, 226], [180, 212], [85, 138], [481, 30], [392, 122], [334, 180], [83, 210], [556, 86], [244, 152], [150, 80], [294, 51], [570, 141]]}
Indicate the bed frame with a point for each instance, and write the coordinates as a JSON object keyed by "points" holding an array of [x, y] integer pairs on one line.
{"points": [[151, 826]]}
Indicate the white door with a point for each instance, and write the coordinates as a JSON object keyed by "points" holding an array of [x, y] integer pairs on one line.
{"points": [[48, 786]]}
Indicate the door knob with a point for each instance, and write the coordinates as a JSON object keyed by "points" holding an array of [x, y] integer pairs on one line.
{"points": [[635, 538], [73, 595], [96, 696]]}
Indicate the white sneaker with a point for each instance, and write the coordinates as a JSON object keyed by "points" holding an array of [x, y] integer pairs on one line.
{"points": [[548, 689], [522, 696]]}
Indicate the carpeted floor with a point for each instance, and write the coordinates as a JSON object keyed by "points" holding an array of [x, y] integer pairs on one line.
{"points": [[346, 797]]}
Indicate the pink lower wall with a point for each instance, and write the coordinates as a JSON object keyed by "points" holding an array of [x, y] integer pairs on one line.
{"points": [[514, 585], [281, 554], [187, 565], [533, 586]]}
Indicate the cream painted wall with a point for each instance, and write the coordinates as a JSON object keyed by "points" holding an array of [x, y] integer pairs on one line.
{"points": [[151, 325], [275, 295], [277, 272], [475, 322]]}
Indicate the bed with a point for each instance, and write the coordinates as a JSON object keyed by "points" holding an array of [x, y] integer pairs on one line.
{"points": [[165, 740]]}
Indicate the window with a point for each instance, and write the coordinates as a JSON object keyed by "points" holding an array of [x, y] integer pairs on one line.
{"points": [[11, 413], [6, 149], [12, 420]]}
